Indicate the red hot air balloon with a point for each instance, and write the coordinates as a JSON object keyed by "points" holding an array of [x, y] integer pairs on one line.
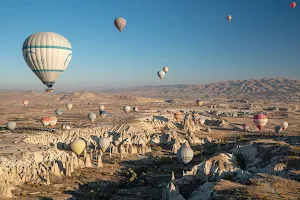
{"points": [[245, 127], [260, 120], [293, 4]]}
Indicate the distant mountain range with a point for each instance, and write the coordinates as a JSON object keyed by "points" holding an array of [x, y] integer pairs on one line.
{"points": [[266, 88]]}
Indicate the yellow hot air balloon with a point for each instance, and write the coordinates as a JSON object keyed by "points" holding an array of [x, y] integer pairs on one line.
{"points": [[69, 106], [199, 103], [229, 18], [78, 146], [53, 121]]}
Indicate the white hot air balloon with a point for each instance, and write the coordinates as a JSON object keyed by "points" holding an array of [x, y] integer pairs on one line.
{"points": [[104, 143], [126, 109], [101, 108], [48, 55], [161, 74], [284, 125], [92, 117], [11, 125], [78, 146], [166, 69], [185, 154]]}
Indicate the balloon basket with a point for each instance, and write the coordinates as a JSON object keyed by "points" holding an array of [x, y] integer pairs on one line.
{"points": [[49, 90]]}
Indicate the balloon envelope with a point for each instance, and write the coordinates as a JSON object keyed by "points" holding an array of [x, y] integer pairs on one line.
{"points": [[59, 112], [185, 154], [278, 129], [120, 23], [45, 121], [260, 120], [229, 18], [53, 121], [166, 69], [101, 108], [199, 103], [69, 106], [104, 143], [293, 4], [135, 109], [11, 125], [284, 125], [92, 117], [161, 74], [126, 109], [48, 55], [78, 146], [25, 102], [102, 113]]}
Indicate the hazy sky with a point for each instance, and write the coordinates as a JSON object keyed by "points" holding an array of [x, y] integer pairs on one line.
{"points": [[192, 37]]}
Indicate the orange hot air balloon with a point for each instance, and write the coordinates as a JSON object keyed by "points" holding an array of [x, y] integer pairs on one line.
{"points": [[178, 116], [53, 121], [293, 4], [229, 18], [45, 121], [25, 102], [260, 120]]}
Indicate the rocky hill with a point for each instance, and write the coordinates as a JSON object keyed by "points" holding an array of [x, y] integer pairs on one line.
{"points": [[266, 88]]}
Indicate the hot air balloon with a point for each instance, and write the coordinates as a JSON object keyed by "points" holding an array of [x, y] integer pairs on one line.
{"points": [[278, 129], [126, 109], [45, 121], [63, 126], [135, 109], [245, 127], [53, 121], [260, 120], [185, 154], [69, 106], [102, 113], [120, 23], [202, 120], [199, 103], [92, 117], [284, 125], [25, 102], [178, 116], [78, 146], [59, 112], [11, 125], [104, 143], [229, 18], [48, 55], [161, 74], [293, 4], [101, 107], [166, 69]]}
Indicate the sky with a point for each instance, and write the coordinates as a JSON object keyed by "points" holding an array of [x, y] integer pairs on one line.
{"points": [[193, 38]]}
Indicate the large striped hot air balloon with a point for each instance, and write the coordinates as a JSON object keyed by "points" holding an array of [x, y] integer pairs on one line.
{"points": [[260, 120], [48, 55]]}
